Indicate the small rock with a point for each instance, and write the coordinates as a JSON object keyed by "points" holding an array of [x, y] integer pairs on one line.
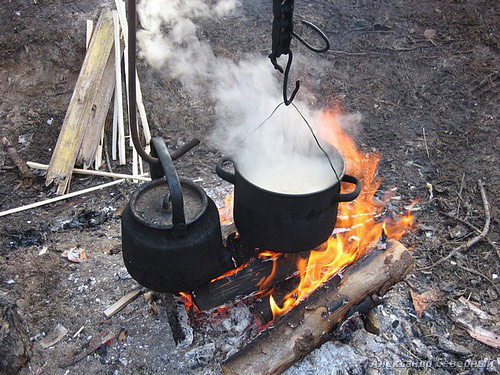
{"points": [[122, 274], [453, 348]]}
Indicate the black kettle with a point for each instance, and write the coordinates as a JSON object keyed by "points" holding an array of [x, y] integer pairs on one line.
{"points": [[171, 234]]}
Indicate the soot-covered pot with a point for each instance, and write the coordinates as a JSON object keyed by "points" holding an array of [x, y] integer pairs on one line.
{"points": [[171, 236], [282, 222]]}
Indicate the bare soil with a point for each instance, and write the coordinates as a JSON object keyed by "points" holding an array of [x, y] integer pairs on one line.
{"points": [[425, 77]]}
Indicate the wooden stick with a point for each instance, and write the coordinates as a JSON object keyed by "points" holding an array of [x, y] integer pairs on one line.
{"points": [[308, 325], [118, 93], [20, 164], [121, 303], [61, 197], [98, 154], [114, 134], [141, 177]]}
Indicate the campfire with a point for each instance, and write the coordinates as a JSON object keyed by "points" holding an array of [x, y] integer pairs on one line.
{"points": [[360, 224]]}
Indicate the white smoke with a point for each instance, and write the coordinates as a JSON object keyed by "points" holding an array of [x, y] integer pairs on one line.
{"points": [[245, 92]]}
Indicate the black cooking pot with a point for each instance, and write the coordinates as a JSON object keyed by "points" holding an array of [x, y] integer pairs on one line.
{"points": [[286, 223], [171, 242]]}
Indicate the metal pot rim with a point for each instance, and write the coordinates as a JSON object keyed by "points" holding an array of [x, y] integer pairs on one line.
{"points": [[152, 183], [330, 149]]}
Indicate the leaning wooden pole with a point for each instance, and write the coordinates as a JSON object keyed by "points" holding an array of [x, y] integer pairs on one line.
{"points": [[308, 325]]}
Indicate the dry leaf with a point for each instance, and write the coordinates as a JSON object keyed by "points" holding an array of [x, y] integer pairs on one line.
{"points": [[430, 34], [422, 301]]}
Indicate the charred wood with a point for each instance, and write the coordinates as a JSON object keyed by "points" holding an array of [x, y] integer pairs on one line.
{"points": [[245, 282]]}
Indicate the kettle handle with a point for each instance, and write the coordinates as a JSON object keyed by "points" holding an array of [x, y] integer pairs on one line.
{"points": [[178, 217]]}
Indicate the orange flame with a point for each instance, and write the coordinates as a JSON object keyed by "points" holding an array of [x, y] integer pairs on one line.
{"points": [[188, 302], [226, 212], [358, 218]]}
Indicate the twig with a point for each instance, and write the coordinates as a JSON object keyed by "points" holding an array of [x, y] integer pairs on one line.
{"points": [[425, 144], [460, 199], [473, 227], [473, 240]]}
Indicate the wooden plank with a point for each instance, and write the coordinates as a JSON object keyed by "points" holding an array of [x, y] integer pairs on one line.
{"points": [[95, 126], [83, 104]]}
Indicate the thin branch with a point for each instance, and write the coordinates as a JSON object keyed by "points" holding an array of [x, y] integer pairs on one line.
{"points": [[473, 227], [473, 240]]}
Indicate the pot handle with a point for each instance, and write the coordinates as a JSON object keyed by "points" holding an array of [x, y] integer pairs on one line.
{"points": [[174, 184], [225, 175], [353, 194]]}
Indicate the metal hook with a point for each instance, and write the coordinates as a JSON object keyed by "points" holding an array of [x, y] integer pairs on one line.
{"points": [[285, 82], [320, 33]]}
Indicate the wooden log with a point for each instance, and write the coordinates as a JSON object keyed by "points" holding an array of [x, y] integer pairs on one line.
{"points": [[83, 105], [309, 324]]}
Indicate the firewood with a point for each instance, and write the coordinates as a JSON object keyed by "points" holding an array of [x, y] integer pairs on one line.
{"points": [[245, 282], [85, 105], [104, 94], [309, 324]]}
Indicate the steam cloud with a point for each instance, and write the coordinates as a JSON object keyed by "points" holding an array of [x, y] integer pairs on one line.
{"points": [[281, 155]]}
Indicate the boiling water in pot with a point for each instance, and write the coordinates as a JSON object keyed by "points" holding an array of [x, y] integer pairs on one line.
{"points": [[288, 174]]}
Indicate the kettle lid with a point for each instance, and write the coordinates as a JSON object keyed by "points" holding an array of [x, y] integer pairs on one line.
{"points": [[148, 203]]}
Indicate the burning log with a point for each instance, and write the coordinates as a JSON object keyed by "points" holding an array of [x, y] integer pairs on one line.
{"points": [[246, 281], [309, 324]]}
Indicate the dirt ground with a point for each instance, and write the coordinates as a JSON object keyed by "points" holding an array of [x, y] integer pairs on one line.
{"points": [[424, 75]]}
